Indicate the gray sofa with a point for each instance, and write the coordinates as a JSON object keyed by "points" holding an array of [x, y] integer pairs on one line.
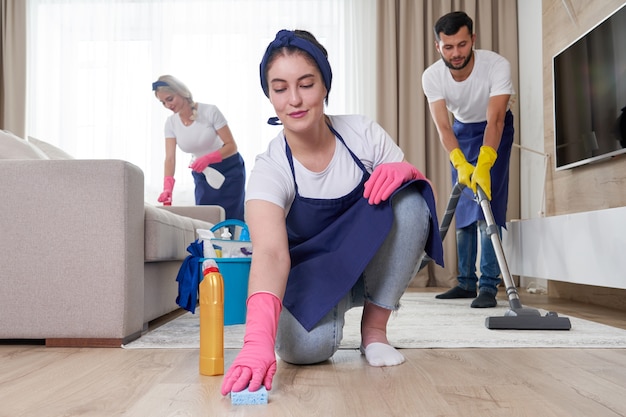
{"points": [[85, 261]]}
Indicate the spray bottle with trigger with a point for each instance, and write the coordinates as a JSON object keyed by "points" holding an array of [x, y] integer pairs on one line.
{"points": [[211, 296]]}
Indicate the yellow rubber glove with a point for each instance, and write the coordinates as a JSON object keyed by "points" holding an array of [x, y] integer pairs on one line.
{"points": [[463, 168], [482, 174]]}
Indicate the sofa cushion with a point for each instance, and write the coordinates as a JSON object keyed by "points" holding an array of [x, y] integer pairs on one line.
{"points": [[167, 235], [14, 147], [51, 151]]}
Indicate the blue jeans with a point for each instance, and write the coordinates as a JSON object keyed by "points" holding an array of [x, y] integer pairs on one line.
{"points": [[383, 282], [466, 242]]}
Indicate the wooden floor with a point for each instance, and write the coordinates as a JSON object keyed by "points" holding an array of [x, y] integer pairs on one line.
{"points": [[53, 382]]}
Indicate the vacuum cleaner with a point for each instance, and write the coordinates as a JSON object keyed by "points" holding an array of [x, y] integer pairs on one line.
{"points": [[517, 317]]}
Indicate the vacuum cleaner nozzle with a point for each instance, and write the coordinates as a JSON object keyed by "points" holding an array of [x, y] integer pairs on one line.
{"points": [[528, 319], [518, 317]]}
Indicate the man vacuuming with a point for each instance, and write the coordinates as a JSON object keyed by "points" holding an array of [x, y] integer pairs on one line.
{"points": [[476, 87]]}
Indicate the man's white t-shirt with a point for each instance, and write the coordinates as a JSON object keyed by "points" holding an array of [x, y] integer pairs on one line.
{"points": [[271, 178], [199, 138], [467, 100]]}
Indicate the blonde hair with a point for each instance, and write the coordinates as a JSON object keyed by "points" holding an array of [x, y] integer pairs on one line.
{"points": [[175, 86]]}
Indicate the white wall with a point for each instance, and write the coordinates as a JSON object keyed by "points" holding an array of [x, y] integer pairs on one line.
{"points": [[531, 108], [530, 96]]}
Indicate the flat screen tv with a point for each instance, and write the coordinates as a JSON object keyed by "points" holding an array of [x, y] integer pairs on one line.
{"points": [[590, 95]]}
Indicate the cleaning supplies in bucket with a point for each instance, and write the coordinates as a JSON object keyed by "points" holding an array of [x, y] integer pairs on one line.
{"points": [[233, 258], [228, 247]]}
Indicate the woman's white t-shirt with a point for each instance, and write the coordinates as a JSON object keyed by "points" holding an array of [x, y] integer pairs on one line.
{"points": [[271, 178], [199, 138]]}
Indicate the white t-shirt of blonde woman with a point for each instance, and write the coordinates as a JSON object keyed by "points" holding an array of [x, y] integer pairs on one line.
{"points": [[200, 137], [271, 178]]}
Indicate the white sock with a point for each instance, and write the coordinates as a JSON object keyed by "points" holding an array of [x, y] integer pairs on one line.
{"points": [[381, 354]]}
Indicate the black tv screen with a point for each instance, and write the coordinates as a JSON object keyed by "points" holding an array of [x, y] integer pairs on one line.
{"points": [[590, 95]]}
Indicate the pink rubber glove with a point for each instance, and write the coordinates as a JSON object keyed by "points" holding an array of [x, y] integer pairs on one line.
{"points": [[255, 365], [386, 179], [168, 187], [204, 161]]}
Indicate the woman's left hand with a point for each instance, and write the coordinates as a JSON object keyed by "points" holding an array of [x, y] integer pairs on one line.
{"points": [[387, 178], [204, 161]]}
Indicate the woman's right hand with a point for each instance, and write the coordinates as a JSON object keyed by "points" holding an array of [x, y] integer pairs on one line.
{"points": [[255, 365], [165, 197], [168, 187]]}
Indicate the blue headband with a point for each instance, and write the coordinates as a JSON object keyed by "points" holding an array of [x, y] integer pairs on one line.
{"points": [[285, 38], [158, 84]]}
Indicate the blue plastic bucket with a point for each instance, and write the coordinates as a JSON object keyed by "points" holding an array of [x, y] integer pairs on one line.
{"points": [[235, 273]]}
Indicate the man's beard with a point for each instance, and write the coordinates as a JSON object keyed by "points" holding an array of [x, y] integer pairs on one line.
{"points": [[460, 67]]}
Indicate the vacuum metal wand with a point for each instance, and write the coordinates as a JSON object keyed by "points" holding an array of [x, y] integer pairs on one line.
{"points": [[517, 317], [493, 232]]}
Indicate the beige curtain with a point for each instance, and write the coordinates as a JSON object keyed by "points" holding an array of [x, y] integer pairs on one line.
{"points": [[406, 48], [13, 66]]}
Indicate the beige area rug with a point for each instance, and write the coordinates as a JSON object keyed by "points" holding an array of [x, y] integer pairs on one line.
{"points": [[421, 322]]}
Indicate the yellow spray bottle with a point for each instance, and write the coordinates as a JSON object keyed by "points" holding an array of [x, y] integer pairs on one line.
{"points": [[211, 297], [212, 322]]}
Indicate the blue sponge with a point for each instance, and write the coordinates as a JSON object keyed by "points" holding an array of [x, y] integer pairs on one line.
{"points": [[246, 397]]}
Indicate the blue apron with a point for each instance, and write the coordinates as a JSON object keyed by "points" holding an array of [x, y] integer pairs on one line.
{"points": [[231, 194], [331, 241], [470, 137]]}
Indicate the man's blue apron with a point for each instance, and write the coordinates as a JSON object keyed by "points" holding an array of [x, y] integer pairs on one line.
{"points": [[231, 193], [470, 137], [331, 241]]}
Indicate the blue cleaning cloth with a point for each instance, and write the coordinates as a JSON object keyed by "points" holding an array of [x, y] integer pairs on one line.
{"points": [[246, 397], [189, 277]]}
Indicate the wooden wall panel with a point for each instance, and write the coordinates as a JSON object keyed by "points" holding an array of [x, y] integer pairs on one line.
{"points": [[590, 187]]}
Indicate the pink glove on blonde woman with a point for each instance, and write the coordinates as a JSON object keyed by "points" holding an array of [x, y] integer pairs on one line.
{"points": [[204, 161], [255, 365], [387, 178], [168, 187]]}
